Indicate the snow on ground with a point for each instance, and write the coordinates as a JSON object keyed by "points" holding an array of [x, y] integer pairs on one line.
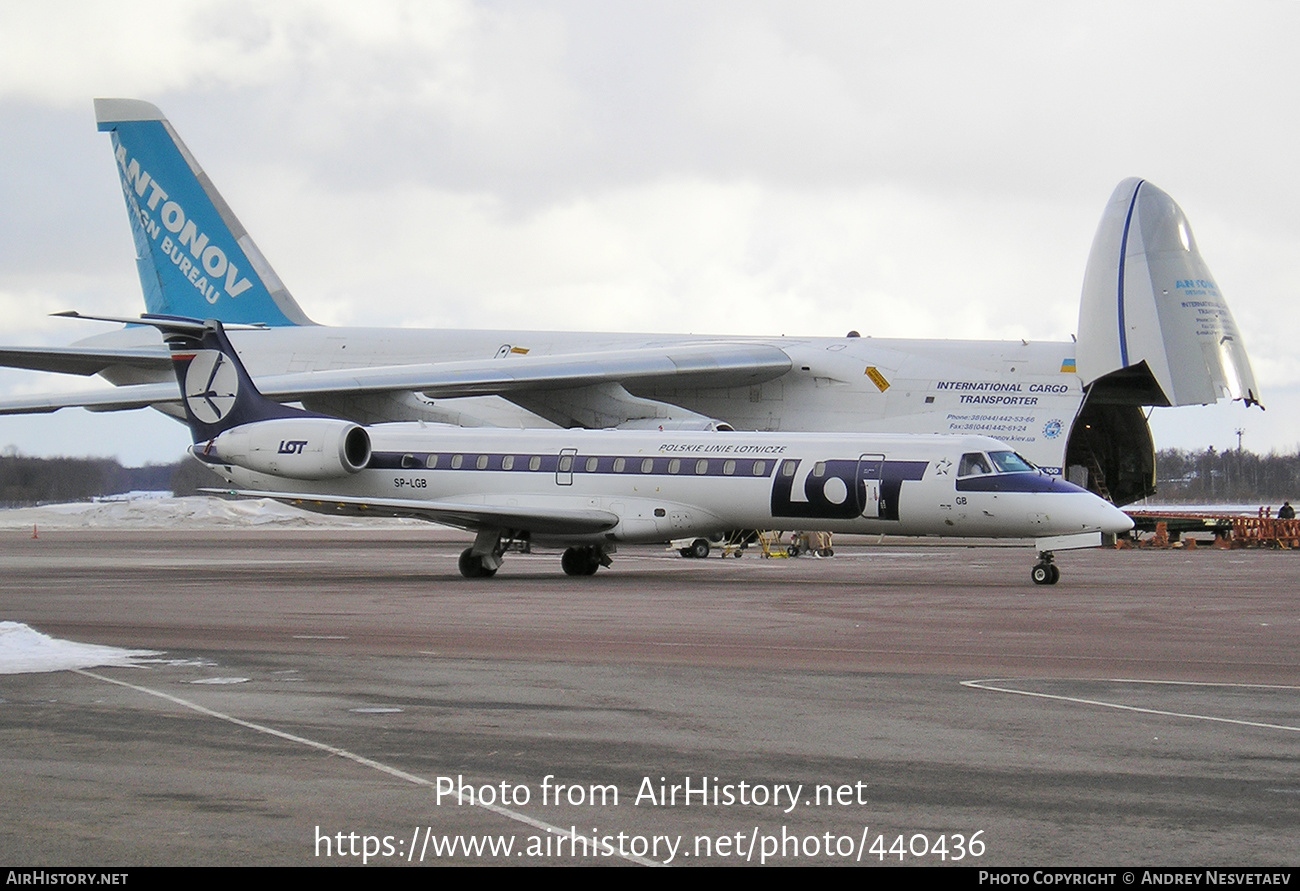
{"points": [[25, 650], [194, 512], [1245, 510]]}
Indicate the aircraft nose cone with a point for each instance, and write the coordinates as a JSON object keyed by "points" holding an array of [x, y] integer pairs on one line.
{"points": [[1091, 512], [1112, 520]]}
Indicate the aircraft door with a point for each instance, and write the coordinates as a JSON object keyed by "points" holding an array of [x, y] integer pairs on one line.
{"points": [[564, 467], [870, 473]]}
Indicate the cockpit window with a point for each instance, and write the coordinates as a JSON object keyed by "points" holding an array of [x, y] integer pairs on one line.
{"points": [[1010, 462], [973, 464]]}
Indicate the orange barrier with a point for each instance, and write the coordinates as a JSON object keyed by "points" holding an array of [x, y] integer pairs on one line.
{"points": [[1265, 532], [1174, 530]]}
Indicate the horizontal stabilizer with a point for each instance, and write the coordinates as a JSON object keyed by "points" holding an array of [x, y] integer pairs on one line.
{"points": [[1148, 297]]}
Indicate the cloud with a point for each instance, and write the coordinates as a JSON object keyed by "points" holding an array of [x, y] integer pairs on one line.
{"points": [[926, 170]]}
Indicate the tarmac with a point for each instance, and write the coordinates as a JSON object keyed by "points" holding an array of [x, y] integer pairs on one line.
{"points": [[319, 697]]}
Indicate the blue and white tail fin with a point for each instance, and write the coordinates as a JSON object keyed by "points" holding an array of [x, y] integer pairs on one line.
{"points": [[194, 257]]}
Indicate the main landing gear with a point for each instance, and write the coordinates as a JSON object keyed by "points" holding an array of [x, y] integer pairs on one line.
{"points": [[474, 566], [484, 558], [1045, 571], [584, 561]]}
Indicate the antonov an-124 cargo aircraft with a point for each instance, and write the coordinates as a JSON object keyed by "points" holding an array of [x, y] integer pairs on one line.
{"points": [[1154, 330]]}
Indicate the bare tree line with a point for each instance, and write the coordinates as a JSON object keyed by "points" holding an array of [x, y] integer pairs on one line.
{"points": [[1234, 476], [26, 481]]}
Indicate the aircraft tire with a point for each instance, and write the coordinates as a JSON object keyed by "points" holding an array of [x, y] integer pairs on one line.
{"points": [[471, 567], [579, 561], [569, 562], [686, 552], [1056, 574], [699, 548], [1042, 574]]}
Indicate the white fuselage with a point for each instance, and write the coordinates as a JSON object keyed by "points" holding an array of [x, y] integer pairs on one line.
{"points": [[666, 485]]}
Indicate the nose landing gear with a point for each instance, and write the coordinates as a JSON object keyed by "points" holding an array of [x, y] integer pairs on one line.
{"points": [[1045, 571]]}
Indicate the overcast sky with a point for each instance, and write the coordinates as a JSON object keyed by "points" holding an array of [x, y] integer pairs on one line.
{"points": [[909, 170]]}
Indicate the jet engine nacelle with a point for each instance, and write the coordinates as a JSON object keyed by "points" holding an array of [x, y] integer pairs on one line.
{"points": [[298, 448]]}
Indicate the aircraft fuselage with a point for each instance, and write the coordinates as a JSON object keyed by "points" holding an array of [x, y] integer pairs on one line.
{"points": [[661, 486]]}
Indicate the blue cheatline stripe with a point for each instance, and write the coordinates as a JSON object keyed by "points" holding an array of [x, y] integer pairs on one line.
{"points": [[1016, 482], [550, 463], [1123, 257]]}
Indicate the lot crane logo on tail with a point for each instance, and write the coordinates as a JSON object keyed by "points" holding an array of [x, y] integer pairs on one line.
{"points": [[211, 386]]}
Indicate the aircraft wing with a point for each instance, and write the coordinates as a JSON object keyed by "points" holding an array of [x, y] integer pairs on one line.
{"points": [[461, 515], [115, 399], [73, 360], [701, 364], [722, 364]]}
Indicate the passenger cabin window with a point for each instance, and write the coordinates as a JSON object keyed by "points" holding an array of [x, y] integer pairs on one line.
{"points": [[819, 470], [508, 462], [592, 464], [728, 467], [674, 465], [619, 464], [409, 462], [456, 461], [534, 462], [566, 463], [647, 465], [702, 466], [788, 467], [431, 462], [760, 468], [482, 462], [973, 464]]}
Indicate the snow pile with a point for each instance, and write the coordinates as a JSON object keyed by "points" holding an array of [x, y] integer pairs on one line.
{"points": [[198, 511], [24, 650]]}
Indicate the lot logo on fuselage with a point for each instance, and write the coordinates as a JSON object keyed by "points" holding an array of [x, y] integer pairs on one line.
{"points": [[843, 489], [211, 386]]}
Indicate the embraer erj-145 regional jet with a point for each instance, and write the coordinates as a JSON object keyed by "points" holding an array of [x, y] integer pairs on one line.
{"points": [[1154, 330], [589, 490]]}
